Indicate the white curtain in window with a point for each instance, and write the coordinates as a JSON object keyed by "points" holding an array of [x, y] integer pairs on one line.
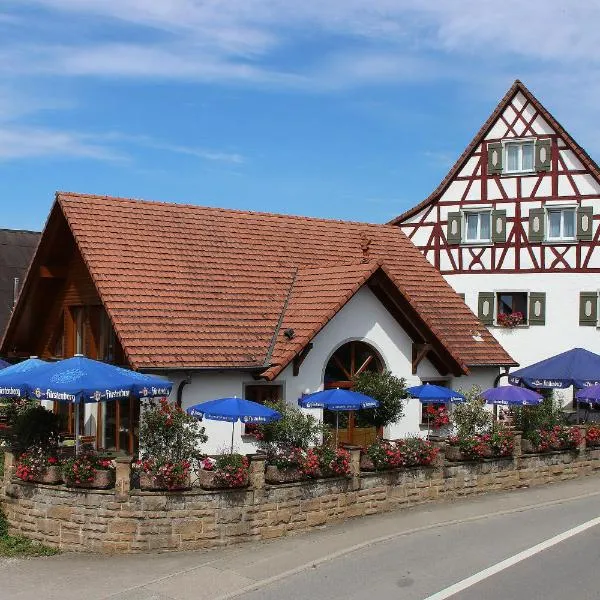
{"points": [[472, 226], [512, 157], [484, 220]]}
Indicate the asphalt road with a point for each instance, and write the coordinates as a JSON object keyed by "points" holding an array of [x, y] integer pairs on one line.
{"points": [[425, 564], [493, 547]]}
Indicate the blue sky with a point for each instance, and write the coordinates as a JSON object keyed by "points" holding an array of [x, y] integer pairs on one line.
{"points": [[343, 109]]}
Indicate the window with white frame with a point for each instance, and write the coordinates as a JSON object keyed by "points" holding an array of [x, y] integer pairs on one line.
{"points": [[561, 224], [519, 156], [511, 308], [478, 226]]}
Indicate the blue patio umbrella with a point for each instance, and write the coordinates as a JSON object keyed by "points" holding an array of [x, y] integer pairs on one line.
{"points": [[232, 410], [13, 378], [337, 400], [512, 395], [430, 393], [82, 380], [4, 364], [589, 394], [577, 367]]}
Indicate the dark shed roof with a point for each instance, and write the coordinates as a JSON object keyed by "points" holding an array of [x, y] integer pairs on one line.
{"points": [[16, 250]]}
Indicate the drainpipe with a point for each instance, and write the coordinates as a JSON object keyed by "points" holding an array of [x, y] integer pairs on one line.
{"points": [[501, 375], [182, 384]]}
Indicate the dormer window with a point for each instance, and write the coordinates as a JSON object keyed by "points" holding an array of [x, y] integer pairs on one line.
{"points": [[519, 156]]}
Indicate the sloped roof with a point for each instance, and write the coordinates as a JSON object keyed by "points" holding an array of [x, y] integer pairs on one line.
{"points": [[195, 287], [516, 87], [16, 249]]}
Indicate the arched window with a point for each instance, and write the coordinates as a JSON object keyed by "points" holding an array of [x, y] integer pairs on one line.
{"points": [[350, 360]]}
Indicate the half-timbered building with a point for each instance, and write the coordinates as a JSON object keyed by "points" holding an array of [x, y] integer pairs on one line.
{"points": [[514, 228], [231, 303]]}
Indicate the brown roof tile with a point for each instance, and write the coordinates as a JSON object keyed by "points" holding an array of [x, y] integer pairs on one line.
{"points": [[189, 286]]}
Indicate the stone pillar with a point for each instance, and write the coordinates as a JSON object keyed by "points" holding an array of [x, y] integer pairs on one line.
{"points": [[518, 451], [123, 477], [257, 471], [440, 460], [9, 467], [354, 466]]}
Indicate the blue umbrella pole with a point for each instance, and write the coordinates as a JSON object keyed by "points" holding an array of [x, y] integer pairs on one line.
{"points": [[76, 428], [337, 426], [232, 432]]}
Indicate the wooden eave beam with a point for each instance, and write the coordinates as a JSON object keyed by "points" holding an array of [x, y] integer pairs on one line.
{"points": [[419, 352], [53, 272]]}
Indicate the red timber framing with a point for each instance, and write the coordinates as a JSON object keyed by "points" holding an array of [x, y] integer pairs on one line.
{"points": [[573, 179]]}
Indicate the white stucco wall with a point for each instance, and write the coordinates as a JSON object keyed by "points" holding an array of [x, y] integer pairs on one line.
{"points": [[363, 318]]}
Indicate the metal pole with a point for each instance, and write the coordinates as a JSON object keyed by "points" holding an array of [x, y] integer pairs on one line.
{"points": [[232, 432], [77, 429], [337, 425]]}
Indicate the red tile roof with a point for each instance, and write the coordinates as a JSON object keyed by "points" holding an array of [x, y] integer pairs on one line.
{"points": [[195, 287]]}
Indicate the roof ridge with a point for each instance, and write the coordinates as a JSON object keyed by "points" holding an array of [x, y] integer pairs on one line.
{"points": [[80, 196]]}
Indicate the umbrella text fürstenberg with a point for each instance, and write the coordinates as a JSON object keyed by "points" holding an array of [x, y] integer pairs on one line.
{"points": [[10, 391]]}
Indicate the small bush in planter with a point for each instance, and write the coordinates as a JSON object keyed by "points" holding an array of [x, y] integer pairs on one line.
{"points": [[227, 470], [472, 447], [89, 470], [38, 465], [331, 462], [560, 437], [166, 475], [417, 451], [385, 455], [501, 441]]}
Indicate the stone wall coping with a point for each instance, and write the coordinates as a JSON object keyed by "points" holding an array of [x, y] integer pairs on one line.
{"points": [[277, 486]]}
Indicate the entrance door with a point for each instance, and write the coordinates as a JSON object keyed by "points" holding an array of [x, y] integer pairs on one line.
{"points": [[347, 362]]}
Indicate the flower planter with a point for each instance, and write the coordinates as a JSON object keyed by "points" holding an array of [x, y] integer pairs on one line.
{"points": [[211, 480], [155, 483], [103, 480], [51, 475], [366, 464], [453, 453], [274, 474], [527, 446]]}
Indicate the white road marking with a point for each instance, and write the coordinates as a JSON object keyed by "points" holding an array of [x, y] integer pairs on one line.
{"points": [[513, 560]]}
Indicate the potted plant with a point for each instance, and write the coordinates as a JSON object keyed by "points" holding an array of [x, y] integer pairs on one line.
{"points": [[224, 471], [381, 455], [325, 461], [169, 442], [512, 320], [171, 476], [417, 452], [89, 471], [468, 447], [285, 465], [501, 442], [38, 466]]}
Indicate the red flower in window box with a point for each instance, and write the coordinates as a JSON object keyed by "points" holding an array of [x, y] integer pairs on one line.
{"points": [[511, 320]]}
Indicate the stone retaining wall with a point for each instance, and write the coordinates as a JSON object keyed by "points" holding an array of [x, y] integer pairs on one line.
{"points": [[124, 521]]}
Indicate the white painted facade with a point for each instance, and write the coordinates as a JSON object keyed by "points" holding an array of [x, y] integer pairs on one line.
{"points": [[519, 262], [363, 318]]}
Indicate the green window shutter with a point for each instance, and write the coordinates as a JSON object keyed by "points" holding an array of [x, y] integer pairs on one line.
{"points": [[498, 226], [585, 221], [543, 155], [453, 234], [536, 224], [588, 308], [494, 158], [537, 308], [485, 308]]}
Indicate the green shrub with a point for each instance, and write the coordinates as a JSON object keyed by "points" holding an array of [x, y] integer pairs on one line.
{"points": [[471, 417], [388, 390], [35, 426]]}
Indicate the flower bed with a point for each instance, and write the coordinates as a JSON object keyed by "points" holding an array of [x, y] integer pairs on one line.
{"points": [[224, 471], [592, 436], [410, 452], [89, 471], [495, 444], [39, 467], [560, 437], [296, 464], [169, 475]]}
